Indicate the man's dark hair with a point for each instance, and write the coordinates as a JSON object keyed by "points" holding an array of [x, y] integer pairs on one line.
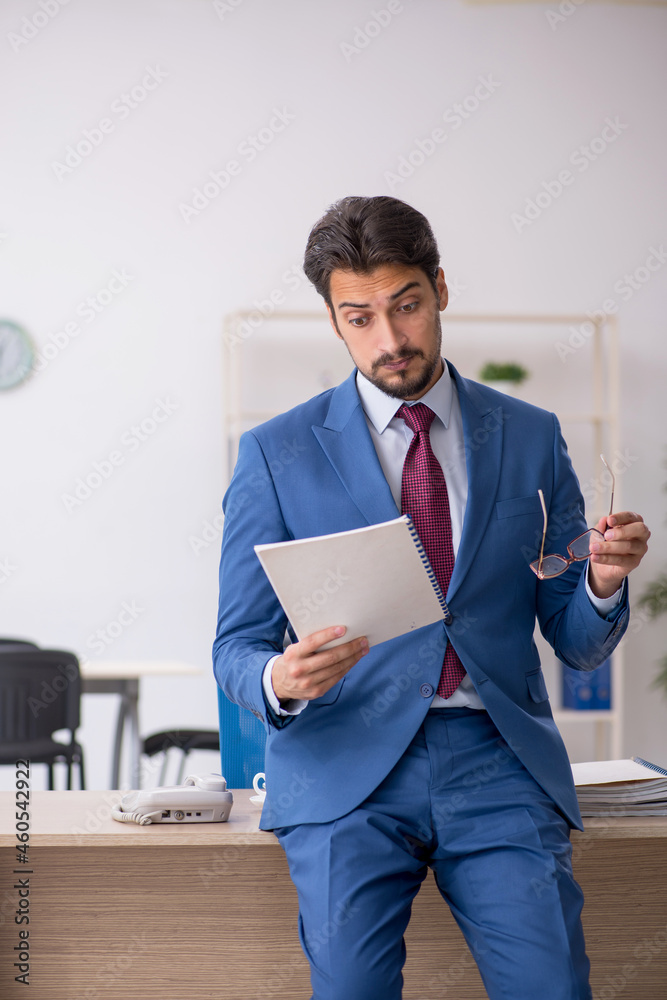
{"points": [[362, 234]]}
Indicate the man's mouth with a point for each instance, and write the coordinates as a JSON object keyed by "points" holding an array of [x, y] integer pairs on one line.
{"points": [[398, 365]]}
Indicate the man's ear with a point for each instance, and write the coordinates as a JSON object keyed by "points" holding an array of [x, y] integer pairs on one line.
{"points": [[332, 320], [442, 289]]}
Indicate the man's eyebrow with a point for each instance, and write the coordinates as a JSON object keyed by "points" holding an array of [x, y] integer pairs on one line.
{"points": [[396, 295]]}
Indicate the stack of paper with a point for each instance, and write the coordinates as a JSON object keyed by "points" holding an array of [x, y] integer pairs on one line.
{"points": [[621, 788]]}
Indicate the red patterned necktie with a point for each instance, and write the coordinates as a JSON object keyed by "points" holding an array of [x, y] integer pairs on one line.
{"points": [[424, 498]]}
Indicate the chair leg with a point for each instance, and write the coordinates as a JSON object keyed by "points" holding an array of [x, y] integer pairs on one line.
{"points": [[69, 775], [181, 767], [50, 767], [82, 780], [163, 766]]}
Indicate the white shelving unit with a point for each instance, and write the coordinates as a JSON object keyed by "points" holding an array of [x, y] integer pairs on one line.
{"points": [[578, 379]]}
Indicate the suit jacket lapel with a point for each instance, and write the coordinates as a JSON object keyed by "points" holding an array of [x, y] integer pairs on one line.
{"points": [[347, 443], [483, 437]]}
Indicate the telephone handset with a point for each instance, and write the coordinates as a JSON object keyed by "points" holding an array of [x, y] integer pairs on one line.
{"points": [[200, 799]]}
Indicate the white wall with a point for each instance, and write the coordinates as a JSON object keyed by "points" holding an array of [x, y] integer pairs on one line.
{"points": [[219, 74]]}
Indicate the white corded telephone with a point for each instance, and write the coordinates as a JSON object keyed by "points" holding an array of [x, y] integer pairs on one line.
{"points": [[201, 798]]}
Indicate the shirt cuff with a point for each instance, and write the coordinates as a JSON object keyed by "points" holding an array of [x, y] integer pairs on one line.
{"points": [[292, 707], [604, 605]]}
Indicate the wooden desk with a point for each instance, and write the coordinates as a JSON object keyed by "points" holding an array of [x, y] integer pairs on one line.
{"points": [[122, 677], [208, 911]]}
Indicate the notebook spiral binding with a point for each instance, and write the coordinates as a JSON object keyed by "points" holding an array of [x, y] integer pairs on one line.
{"points": [[446, 613], [653, 767]]}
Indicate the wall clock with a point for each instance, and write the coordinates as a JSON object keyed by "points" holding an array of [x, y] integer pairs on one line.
{"points": [[16, 354]]}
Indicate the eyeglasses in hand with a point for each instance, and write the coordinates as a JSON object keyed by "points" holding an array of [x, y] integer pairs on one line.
{"points": [[549, 566]]}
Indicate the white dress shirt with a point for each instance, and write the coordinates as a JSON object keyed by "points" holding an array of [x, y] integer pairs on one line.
{"points": [[391, 438]]}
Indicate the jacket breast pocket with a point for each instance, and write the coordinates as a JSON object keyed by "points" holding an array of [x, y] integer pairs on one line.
{"points": [[537, 687], [518, 505]]}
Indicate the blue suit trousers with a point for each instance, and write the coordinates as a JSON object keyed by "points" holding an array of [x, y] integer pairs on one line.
{"points": [[459, 802]]}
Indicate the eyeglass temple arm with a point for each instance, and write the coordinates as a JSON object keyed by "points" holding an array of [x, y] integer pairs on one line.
{"points": [[544, 531], [613, 485]]}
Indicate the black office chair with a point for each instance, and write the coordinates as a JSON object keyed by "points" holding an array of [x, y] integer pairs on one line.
{"points": [[8, 645], [40, 693], [185, 740]]}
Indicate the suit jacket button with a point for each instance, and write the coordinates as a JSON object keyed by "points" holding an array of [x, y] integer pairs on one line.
{"points": [[449, 618], [426, 690]]}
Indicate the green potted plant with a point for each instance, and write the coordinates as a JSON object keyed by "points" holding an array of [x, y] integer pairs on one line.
{"points": [[505, 376], [654, 600]]}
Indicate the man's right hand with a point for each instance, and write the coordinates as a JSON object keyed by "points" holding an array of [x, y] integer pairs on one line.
{"points": [[305, 671]]}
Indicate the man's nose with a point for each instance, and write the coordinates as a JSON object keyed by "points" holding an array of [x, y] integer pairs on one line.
{"points": [[391, 339]]}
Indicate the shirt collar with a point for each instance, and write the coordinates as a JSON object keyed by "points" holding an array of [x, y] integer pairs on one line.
{"points": [[381, 408]]}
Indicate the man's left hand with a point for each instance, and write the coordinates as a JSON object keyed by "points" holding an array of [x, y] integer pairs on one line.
{"points": [[625, 543]]}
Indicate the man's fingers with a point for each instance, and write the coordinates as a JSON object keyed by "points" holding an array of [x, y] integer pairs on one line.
{"points": [[310, 646], [310, 643], [306, 676], [624, 517], [329, 661], [625, 541]]}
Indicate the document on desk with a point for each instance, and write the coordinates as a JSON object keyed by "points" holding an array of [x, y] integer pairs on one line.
{"points": [[632, 787], [377, 581]]}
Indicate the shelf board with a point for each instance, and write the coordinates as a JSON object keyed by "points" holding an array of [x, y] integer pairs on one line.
{"points": [[584, 715]]}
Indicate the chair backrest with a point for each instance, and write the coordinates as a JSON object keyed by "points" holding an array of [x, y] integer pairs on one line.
{"points": [[242, 743], [8, 644], [40, 692]]}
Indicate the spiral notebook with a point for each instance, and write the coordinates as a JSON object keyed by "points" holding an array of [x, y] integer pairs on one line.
{"points": [[377, 581], [633, 787]]}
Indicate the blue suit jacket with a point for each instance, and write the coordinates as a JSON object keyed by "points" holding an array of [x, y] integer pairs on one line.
{"points": [[314, 470]]}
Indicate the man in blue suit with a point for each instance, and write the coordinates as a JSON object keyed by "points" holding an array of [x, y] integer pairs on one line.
{"points": [[372, 776]]}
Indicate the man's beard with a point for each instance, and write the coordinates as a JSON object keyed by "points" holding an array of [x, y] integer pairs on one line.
{"points": [[407, 384]]}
